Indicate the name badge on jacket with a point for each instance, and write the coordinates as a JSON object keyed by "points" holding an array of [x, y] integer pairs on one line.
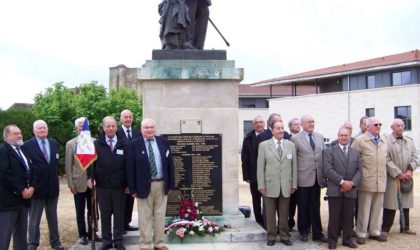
{"points": [[120, 152]]}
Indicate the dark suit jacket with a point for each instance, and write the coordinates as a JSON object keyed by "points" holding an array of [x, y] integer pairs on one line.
{"points": [[335, 142], [138, 166], [249, 156], [134, 133], [337, 167], [13, 179], [45, 175], [110, 167], [268, 135]]}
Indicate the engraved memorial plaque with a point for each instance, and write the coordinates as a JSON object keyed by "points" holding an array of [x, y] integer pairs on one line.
{"points": [[198, 167]]}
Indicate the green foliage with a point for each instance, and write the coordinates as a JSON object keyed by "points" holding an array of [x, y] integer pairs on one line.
{"points": [[60, 106], [23, 118]]}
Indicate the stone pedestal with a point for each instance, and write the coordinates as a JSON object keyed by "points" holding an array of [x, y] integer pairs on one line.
{"points": [[176, 88]]}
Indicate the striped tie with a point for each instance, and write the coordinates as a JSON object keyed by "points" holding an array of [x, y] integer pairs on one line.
{"points": [[152, 158]]}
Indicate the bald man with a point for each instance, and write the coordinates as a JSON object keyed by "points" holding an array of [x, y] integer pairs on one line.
{"points": [[401, 163]]}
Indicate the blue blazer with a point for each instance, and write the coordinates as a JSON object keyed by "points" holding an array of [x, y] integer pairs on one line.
{"points": [[13, 179], [138, 166], [134, 133], [45, 175]]}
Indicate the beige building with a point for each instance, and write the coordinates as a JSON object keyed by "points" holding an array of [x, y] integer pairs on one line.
{"points": [[386, 87]]}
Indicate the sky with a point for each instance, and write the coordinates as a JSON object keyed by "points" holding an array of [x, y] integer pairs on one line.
{"points": [[47, 41]]}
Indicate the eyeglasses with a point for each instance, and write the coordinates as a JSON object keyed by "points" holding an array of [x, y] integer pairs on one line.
{"points": [[377, 124]]}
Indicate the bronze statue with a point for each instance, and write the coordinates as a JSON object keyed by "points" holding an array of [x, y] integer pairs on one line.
{"points": [[183, 23]]}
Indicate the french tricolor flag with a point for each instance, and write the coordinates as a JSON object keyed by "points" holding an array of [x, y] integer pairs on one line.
{"points": [[85, 151]]}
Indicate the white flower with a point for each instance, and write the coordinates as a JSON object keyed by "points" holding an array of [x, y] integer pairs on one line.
{"points": [[191, 233], [216, 228], [210, 229], [196, 204], [197, 223], [201, 228]]}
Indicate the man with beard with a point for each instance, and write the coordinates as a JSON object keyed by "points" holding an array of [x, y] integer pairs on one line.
{"points": [[16, 189]]}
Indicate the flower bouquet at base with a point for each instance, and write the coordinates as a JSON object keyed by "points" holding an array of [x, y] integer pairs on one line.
{"points": [[190, 222]]}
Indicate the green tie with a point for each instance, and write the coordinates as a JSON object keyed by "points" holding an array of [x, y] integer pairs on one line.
{"points": [[152, 158]]}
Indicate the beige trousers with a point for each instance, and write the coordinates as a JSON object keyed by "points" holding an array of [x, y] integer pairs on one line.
{"points": [[151, 212], [369, 213]]}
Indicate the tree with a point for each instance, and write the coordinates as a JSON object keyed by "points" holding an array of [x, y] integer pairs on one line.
{"points": [[60, 106], [23, 118]]}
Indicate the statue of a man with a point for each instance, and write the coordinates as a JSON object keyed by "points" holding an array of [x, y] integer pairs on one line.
{"points": [[183, 23]]}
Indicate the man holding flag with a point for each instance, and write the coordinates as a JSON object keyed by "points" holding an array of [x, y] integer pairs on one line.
{"points": [[80, 153]]}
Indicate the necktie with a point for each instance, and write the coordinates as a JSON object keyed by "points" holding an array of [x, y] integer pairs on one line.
{"points": [[311, 141], [129, 135], [44, 151], [110, 145], [152, 158], [376, 139], [345, 150], [279, 149], [21, 157]]}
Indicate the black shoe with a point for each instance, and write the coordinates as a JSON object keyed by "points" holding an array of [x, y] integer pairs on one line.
{"points": [[332, 245], [304, 238], [83, 240], [106, 247], [270, 242], [97, 238], [119, 246], [58, 247], [286, 242], [130, 228], [322, 240], [350, 244]]}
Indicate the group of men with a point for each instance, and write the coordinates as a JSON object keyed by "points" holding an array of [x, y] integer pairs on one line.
{"points": [[362, 175], [130, 165]]}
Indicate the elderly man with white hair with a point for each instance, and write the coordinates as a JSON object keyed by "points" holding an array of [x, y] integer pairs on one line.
{"points": [[43, 152]]}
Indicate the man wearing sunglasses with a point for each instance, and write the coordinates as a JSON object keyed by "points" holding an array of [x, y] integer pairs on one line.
{"points": [[373, 152]]}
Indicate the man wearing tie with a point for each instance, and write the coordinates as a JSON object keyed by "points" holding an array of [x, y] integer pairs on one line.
{"points": [[277, 179], [343, 170], [150, 176], [128, 133], [309, 146], [43, 152], [16, 189], [109, 174], [373, 151]]}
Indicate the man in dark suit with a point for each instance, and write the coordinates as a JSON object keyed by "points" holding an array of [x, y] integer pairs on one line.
{"points": [[249, 156], [274, 117], [109, 173], [309, 146], [16, 189], [342, 167], [43, 152], [150, 176], [127, 132]]}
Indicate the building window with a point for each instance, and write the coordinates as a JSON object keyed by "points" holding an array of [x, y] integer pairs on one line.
{"points": [[401, 78], [247, 127], [370, 112], [371, 82], [404, 113]]}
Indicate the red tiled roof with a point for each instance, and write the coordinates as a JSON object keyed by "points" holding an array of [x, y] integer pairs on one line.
{"points": [[406, 57]]}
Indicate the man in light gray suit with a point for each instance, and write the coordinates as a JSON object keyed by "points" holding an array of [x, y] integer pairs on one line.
{"points": [[76, 180], [276, 175], [309, 146], [342, 167]]}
